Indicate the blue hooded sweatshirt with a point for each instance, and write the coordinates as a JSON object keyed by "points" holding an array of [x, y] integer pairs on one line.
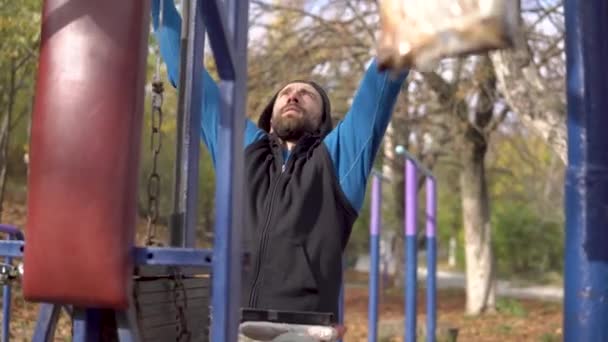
{"points": [[352, 144]]}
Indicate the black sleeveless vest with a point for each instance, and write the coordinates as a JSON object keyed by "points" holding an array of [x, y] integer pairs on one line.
{"points": [[297, 224]]}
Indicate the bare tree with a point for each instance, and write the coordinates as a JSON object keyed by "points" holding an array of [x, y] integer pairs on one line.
{"points": [[531, 77]]}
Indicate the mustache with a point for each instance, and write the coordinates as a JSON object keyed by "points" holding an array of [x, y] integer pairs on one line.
{"points": [[292, 106]]}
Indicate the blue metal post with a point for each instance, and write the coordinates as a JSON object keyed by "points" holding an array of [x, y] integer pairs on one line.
{"points": [[48, 316], [586, 188], [86, 325], [13, 233], [411, 257], [6, 309], [228, 37], [374, 272], [186, 172], [341, 301], [431, 251]]}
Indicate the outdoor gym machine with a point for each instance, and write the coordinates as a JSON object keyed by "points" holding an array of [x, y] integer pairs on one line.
{"points": [[412, 168], [82, 185], [109, 82]]}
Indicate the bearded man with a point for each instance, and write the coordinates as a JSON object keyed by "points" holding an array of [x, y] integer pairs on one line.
{"points": [[305, 179]]}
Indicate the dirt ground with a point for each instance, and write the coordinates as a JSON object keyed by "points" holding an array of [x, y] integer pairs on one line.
{"points": [[515, 320]]}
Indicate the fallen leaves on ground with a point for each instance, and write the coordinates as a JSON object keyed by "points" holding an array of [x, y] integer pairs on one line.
{"points": [[515, 320]]}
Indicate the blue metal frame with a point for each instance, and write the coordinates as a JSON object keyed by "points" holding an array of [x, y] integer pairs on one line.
{"points": [[13, 233], [48, 316], [228, 39], [227, 29], [374, 272], [185, 197], [412, 168], [411, 250], [586, 259], [586, 188], [166, 256]]}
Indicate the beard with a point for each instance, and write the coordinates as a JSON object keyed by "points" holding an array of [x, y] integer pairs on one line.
{"points": [[292, 128]]}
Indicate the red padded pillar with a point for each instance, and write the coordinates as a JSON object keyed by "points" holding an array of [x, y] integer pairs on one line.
{"points": [[85, 146]]}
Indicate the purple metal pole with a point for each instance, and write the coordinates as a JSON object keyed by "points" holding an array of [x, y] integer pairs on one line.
{"points": [[411, 262], [374, 274], [431, 250]]}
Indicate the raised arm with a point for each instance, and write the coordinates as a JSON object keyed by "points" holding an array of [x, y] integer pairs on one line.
{"points": [[354, 142], [168, 37]]}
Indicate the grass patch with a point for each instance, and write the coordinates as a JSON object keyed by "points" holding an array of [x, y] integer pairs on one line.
{"points": [[512, 307]]}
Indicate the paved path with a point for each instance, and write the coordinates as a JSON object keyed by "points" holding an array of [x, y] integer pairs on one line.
{"points": [[447, 279]]}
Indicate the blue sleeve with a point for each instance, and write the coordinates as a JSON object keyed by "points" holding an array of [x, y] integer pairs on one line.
{"points": [[354, 142], [168, 37]]}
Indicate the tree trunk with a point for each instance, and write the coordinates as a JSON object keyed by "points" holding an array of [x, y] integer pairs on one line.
{"points": [[4, 139], [5, 131], [480, 285]]}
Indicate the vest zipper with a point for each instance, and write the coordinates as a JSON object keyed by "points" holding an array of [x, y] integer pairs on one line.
{"points": [[264, 241]]}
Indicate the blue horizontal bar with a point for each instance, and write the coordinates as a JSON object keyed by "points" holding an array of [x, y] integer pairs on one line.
{"points": [[173, 256], [169, 256], [219, 37], [11, 248]]}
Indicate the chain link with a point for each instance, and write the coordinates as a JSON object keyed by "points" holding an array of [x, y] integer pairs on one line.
{"points": [[155, 144], [183, 334], [9, 273]]}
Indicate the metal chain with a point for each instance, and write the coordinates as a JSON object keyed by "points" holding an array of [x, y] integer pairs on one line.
{"points": [[183, 334], [155, 144], [9, 273]]}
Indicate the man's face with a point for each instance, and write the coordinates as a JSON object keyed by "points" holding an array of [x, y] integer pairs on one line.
{"points": [[297, 110]]}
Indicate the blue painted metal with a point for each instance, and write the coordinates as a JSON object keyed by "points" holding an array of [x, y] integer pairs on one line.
{"points": [[186, 171], [586, 188], [228, 39], [48, 316], [431, 289], [169, 256], [411, 252], [341, 308], [13, 249], [220, 38], [431, 251], [374, 272], [173, 256], [411, 287], [126, 325], [6, 311], [13, 233], [86, 325]]}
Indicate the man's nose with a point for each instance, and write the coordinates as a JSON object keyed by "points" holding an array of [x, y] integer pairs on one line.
{"points": [[293, 98]]}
